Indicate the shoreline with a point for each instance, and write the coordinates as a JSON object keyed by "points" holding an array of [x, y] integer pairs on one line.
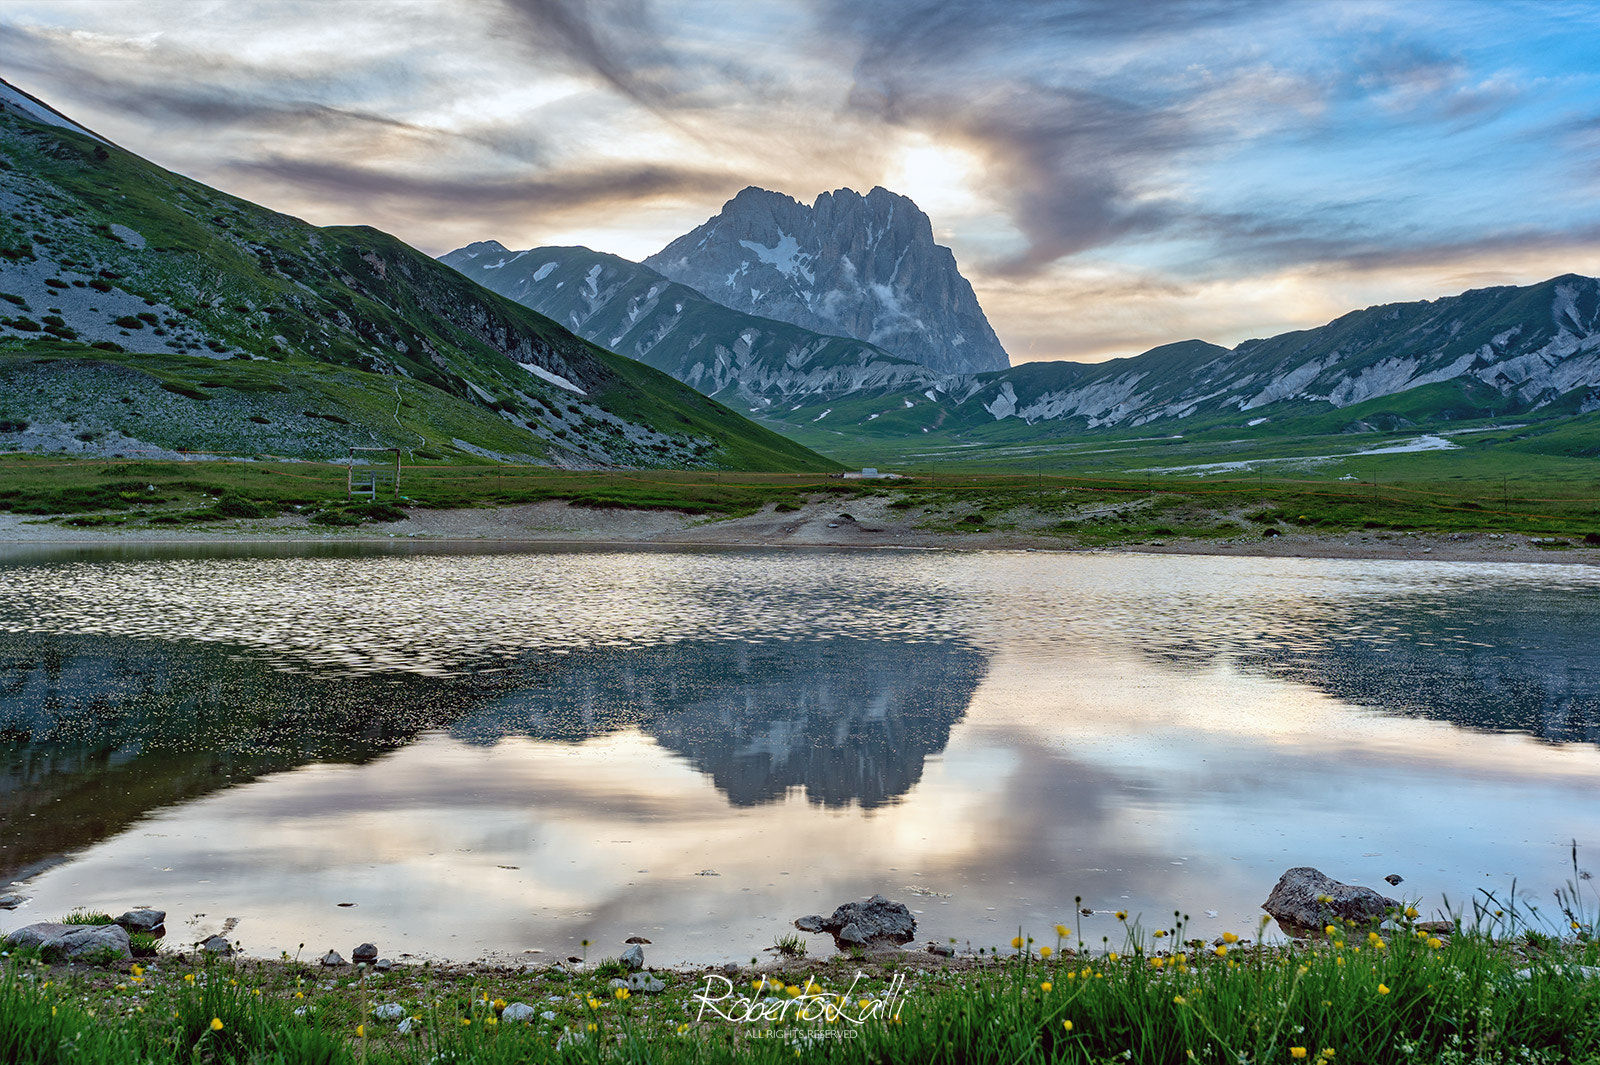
{"points": [[820, 524]]}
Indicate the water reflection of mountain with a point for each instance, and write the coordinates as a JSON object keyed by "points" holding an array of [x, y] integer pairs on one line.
{"points": [[1522, 659], [847, 720], [97, 731]]}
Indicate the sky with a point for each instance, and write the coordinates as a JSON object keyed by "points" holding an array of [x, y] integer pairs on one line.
{"points": [[1111, 175]]}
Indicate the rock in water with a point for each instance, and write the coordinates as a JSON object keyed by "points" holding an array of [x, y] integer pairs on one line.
{"points": [[1394, 879], [143, 920], [12, 901], [87, 941], [1307, 899], [633, 957], [218, 946], [332, 958], [365, 954], [34, 935], [860, 924]]}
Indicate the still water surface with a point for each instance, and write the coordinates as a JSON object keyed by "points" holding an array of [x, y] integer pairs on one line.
{"points": [[506, 752]]}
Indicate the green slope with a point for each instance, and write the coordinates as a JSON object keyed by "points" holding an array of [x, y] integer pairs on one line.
{"points": [[118, 276]]}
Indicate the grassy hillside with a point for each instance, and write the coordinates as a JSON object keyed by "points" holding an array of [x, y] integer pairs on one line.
{"points": [[116, 275]]}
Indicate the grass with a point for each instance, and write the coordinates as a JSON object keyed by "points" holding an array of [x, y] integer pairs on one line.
{"points": [[1068, 510], [1501, 986]]}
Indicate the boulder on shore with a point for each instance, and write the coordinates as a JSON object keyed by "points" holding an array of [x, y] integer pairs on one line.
{"points": [[88, 942], [34, 935], [633, 958], [1306, 899], [861, 924]]}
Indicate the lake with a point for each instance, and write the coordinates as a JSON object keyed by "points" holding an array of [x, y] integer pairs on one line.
{"points": [[501, 753]]}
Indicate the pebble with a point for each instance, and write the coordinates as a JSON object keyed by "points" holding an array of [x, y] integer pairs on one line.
{"points": [[389, 1011], [404, 1027], [645, 982], [332, 958], [517, 1012]]}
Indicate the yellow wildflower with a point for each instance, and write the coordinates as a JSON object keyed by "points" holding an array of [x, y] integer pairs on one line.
{"points": [[1067, 1025], [1045, 952], [1122, 915], [188, 978], [1435, 942], [491, 1020], [1062, 930], [682, 1028], [1180, 1000], [216, 1024], [622, 993], [499, 1003], [138, 971], [1229, 937], [1160, 933], [361, 1031], [1114, 956], [1045, 986], [1329, 929], [1297, 1052], [1222, 951], [1383, 989], [299, 994], [1016, 942], [1411, 912], [1327, 1053]]}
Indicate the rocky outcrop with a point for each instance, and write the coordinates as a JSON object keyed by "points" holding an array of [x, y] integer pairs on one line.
{"points": [[1306, 899], [861, 924], [848, 265]]}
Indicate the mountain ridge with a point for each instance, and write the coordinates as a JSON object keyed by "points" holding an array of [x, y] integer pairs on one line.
{"points": [[1498, 349]]}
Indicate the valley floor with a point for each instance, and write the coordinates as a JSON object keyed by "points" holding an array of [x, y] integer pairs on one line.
{"points": [[827, 523]]}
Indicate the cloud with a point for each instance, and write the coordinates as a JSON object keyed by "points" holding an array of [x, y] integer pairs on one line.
{"points": [[488, 197], [618, 40], [177, 86]]}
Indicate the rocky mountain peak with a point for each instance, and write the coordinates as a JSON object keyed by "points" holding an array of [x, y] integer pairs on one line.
{"points": [[481, 247], [848, 265]]}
